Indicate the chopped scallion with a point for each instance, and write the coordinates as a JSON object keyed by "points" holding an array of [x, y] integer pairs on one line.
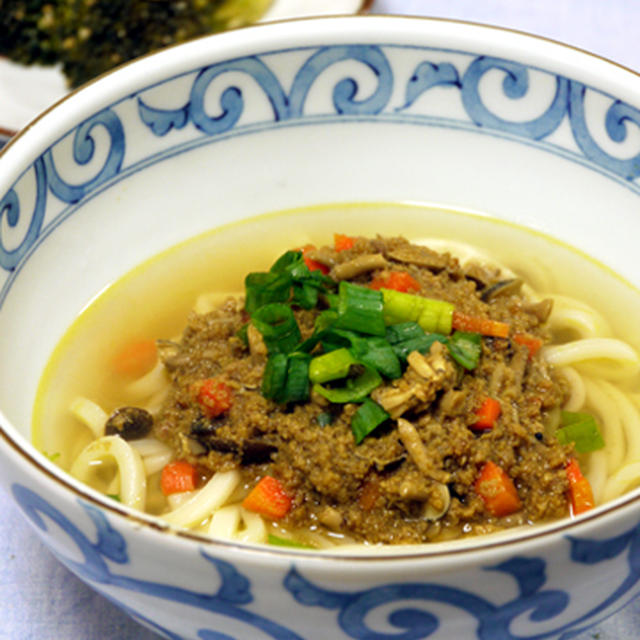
{"points": [[360, 309], [286, 542], [265, 288], [278, 327], [581, 429], [354, 389], [331, 366], [465, 348], [432, 315], [368, 416]]}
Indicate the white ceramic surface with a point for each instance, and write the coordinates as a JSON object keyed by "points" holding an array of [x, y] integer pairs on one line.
{"points": [[366, 109]]}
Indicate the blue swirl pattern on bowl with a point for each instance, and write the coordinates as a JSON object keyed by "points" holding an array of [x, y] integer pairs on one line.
{"points": [[288, 108], [530, 597], [179, 129]]}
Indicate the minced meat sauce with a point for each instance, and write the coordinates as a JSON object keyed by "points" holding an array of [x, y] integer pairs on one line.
{"points": [[413, 478]]}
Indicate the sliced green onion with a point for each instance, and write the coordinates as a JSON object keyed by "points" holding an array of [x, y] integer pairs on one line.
{"points": [[331, 366], [285, 542], [274, 376], [368, 416], [376, 352], [291, 262], [278, 327], [465, 348], [265, 288], [286, 378], [403, 331], [432, 315], [296, 387], [354, 390], [581, 429], [421, 344], [360, 309], [305, 295]]}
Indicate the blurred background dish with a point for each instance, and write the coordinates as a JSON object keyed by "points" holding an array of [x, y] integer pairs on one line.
{"points": [[27, 89]]}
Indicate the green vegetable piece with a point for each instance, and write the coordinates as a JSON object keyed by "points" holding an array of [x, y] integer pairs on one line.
{"points": [[286, 378], [331, 366], [114, 496], [275, 376], [433, 316], [360, 309], [377, 353], [285, 542], [296, 387], [368, 416], [266, 288], [465, 348], [581, 429], [278, 327], [354, 390], [403, 331]]}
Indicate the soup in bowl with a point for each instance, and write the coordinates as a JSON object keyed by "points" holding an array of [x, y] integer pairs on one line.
{"points": [[339, 317]]}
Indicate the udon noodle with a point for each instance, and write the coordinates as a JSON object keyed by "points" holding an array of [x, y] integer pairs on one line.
{"points": [[601, 372]]}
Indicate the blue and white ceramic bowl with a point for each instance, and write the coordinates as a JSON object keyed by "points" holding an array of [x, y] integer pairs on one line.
{"points": [[289, 115]]}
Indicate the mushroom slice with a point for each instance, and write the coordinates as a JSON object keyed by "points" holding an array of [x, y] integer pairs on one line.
{"points": [[359, 265], [438, 504], [502, 288], [414, 446]]}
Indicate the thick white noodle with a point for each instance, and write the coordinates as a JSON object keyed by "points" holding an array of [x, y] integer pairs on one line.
{"points": [[577, 389], [225, 522], [583, 320], [133, 481], [176, 500], [630, 418], [149, 384], [233, 522], [211, 497], [90, 414], [597, 474], [602, 404], [155, 463], [624, 479], [150, 447], [255, 530], [603, 357]]}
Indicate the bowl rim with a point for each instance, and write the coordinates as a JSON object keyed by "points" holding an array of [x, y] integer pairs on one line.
{"points": [[89, 96]]}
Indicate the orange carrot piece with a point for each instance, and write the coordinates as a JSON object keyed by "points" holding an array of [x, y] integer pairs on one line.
{"points": [[475, 324], [312, 264], [214, 396], [396, 280], [488, 412], [580, 492], [497, 490], [268, 498], [342, 242], [177, 477], [136, 358], [529, 341]]}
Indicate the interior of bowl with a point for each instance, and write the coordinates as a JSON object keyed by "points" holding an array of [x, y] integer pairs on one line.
{"points": [[344, 110]]}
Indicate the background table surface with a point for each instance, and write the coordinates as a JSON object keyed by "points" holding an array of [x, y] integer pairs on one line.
{"points": [[40, 599]]}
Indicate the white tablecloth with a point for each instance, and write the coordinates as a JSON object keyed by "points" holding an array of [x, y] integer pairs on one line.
{"points": [[41, 600]]}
